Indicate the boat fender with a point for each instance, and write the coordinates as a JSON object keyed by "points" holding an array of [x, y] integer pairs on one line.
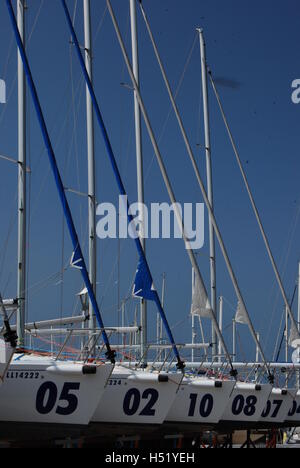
{"points": [[89, 370], [258, 388], [284, 392], [218, 384], [163, 378]]}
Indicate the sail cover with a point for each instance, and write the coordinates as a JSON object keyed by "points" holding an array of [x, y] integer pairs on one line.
{"points": [[200, 302], [143, 285], [241, 314]]}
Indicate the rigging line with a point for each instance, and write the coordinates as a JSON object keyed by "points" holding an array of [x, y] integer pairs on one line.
{"points": [[12, 223], [284, 331], [75, 12], [229, 303], [35, 22], [73, 233], [14, 82], [278, 335], [119, 181], [75, 139], [122, 107], [61, 135], [100, 24], [285, 255], [9, 54], [284, 268], [253, 204], [170, 109], [123, 72]]}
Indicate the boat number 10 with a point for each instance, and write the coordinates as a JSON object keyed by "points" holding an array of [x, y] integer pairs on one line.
{"points": [[47, 399]]}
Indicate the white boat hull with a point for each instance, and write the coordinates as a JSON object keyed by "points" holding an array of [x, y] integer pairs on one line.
{"points": [[294, 411], [247, 403], [200, 401], [278, 406], [41, 390], [137, 397]]}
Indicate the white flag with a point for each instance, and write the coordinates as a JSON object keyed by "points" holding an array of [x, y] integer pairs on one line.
{"points": [[2, 92], [200, 302], [294, 340], [241, 315]]}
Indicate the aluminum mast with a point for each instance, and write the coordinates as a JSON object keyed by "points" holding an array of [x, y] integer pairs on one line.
{"points": [[91, 162], [212, 247], [21, 183], [140, 169]]}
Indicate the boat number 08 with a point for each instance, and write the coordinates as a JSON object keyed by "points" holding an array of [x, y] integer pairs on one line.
{"points": [[132, 402], [247, 406], [47, 394]]}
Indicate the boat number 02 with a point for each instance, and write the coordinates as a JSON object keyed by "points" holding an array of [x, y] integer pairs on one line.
{"points": [[247, 406], [132, 402], [47, 394]]}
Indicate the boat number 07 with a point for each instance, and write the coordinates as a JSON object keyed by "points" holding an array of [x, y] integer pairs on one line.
{"points": [[267, 411], [132, 402], [47, 394]]}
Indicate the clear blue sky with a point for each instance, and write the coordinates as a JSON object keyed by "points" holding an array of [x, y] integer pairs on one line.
{"points": [[252, 44]]}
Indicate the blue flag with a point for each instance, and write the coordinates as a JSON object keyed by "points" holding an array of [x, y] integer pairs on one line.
{"points": [[143, 284]]}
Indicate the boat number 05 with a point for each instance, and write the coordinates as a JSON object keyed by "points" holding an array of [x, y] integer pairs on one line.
{"points": [[247, 406], [132, 402], [47, 394]]}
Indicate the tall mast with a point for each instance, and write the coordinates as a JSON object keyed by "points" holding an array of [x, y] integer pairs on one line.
{"points": [[212, 248], [91, 159], [21, 183], [298, 297], [139, 161]]}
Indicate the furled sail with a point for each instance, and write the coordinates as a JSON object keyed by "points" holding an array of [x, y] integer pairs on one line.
{"points": [[294, 337], [200, 302], [241, 314]]}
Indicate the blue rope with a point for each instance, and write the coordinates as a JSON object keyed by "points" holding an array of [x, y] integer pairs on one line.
{"points": [[118, 176], [59, 184]]}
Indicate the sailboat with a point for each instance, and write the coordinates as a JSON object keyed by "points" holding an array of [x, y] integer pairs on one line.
{"points": [[39, 388]]}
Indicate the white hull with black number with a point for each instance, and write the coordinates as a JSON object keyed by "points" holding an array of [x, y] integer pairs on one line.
{"points": [[293, 417], [246, 403], [278, 406], [38, 389], [137, 397], [201, 401]]}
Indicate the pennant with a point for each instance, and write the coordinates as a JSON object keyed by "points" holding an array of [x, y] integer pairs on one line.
{"points": [[143, 285], [200, 302], [77, 260], [241, 314], [2, 92]]}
